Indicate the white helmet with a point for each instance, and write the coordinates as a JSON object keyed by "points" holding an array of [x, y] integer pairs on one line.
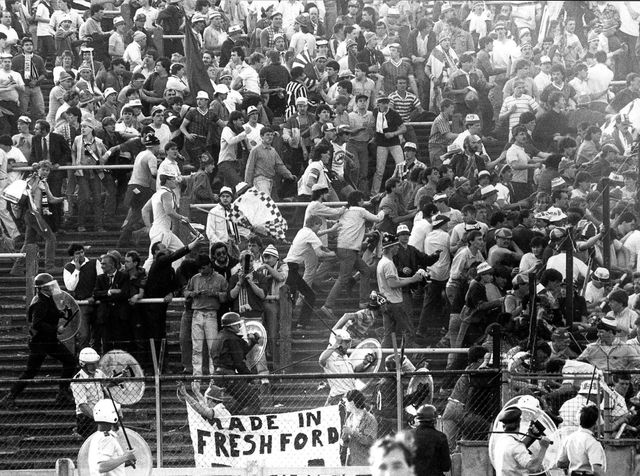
{"points": [[105, 412], [529, 401], [88, 356], [343, 334]]}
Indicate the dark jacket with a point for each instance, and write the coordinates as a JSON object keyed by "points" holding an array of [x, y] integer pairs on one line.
{"points": [[432, 451], [44, 315], [412, 259], [17, 65], [115, 305], [230, 351], [59, 150], [413, 45], [162, 278]]}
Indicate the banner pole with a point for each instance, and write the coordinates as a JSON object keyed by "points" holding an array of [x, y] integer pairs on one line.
{"points": [[394, 340]]}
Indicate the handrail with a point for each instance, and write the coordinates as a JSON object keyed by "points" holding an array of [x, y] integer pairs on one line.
{"points": [[12, 255], [80, 167]]}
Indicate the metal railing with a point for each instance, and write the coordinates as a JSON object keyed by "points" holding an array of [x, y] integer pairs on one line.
{"points": [[180, 425]]}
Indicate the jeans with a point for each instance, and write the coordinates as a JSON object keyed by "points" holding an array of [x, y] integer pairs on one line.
{"points": [[297, 284], [349, 260], [7, 220], [204, 326], [396, 320], [360, 151], [382, 154], [434, 307], [110, 192], [89, 190], [271, 315], [32, 97], [229, 173], [135, 198], [263, 184], [186, 346], [32, 231]]}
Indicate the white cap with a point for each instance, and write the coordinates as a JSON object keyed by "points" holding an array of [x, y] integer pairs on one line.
{"points": [[251, 110], [203, 95], [109, 91], [226, 190], [117, 20], [221, 89], [601, 274], [88, 356], [483, 267], [402, 229]]}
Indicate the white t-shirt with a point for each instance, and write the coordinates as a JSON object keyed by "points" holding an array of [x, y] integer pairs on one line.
{"points": [[42, 28], [387, 270], [559, 263], [305, 241], [253, 134], [599, 79], [439, 240], [250, 79], [421, 228], [628, 25], [151, 15]]}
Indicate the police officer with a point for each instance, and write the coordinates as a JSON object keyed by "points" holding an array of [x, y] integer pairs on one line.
{"points": [[87, 394], [44, 317], [106, 456], [512, 457], [229, 353], [431, 446]]}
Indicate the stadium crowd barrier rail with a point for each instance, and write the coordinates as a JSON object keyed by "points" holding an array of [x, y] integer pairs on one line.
{"points": [[287, 416]]}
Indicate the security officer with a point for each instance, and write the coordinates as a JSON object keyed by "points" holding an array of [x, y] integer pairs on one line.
{"points": [[229, 353], [44, 317], [87, 394], [432, 449], [106, 456], [512, 457]]}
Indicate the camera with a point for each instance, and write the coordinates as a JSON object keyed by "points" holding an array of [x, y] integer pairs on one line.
{"points": [[246, 264]]}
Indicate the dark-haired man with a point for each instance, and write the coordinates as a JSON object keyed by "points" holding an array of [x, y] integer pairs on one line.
{"points": [[31, 68], [79, 277], [581, 453], [161, 283]]}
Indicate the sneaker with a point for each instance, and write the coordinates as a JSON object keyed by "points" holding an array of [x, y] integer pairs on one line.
{"points": [[8, 403]]}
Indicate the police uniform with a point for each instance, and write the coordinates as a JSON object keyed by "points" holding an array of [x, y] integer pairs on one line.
{"points": [[86, 393], [511, 455], [104, 446], [229, 353], [44, 315]]}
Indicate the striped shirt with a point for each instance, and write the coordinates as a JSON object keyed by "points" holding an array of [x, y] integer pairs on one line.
{"points": [[404, 105], [439, 130], [524, 103], [294, 90]]}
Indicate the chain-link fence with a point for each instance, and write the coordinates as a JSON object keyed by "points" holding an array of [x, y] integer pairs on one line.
{"points": [[296, 420]]}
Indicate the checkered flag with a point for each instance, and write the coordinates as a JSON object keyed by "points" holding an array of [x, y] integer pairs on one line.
{"points": [[256, 210]]}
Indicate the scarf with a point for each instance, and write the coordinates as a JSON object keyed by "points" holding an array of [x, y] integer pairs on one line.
{"points": [[381, 122], [30, 72]]}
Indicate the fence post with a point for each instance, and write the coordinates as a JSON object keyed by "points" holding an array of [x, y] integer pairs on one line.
{"points": [[31, 269], [283, 339], [156, 377], [606, 222], [399, 393]]}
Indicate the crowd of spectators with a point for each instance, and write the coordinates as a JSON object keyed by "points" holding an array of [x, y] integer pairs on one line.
{"points": [[305, 101]]}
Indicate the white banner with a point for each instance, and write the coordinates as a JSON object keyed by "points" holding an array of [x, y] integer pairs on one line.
{"points": [[304, 438]]}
